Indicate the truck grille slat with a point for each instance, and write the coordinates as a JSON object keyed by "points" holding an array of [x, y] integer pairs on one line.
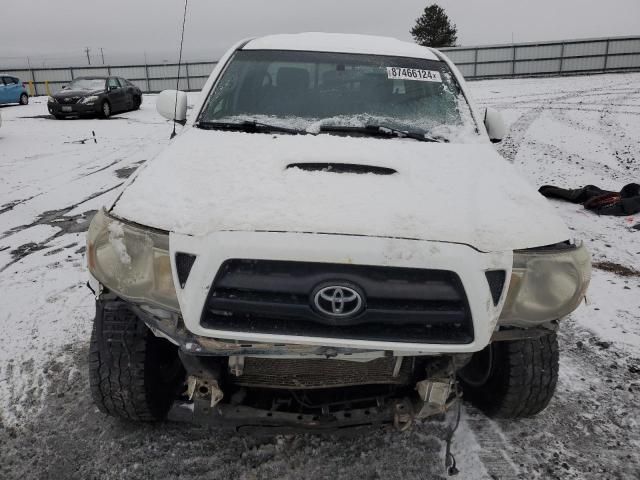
{"points": [[402, 304]]}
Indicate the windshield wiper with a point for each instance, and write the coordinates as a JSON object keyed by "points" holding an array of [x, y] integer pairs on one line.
{"points": [[250, 126], [380, 130]]}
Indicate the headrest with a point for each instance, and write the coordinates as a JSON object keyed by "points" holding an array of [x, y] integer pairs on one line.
{"points": [[292, 78], [378, 84]]}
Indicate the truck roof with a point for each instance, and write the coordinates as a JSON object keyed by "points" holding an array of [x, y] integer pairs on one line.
{"points": [[341, 43]]}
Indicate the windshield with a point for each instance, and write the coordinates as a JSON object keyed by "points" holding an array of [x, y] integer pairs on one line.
{"points": [[312, 91], [87, 84]]}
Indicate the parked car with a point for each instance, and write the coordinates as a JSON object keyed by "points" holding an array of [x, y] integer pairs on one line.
{"points": [[12, 90], [336, 243], [101, 96]]}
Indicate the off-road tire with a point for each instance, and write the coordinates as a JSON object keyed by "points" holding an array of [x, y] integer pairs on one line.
{"points": [[132, 373], [24, 99], [520, 378]]}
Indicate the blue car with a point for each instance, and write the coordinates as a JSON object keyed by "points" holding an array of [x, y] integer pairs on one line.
{"points": [[12, 90]]}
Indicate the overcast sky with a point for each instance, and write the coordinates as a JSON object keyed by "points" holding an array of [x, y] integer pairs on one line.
{"points": [[56, 32]]}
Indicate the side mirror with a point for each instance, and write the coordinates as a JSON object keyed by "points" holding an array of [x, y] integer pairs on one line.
{"points": [[495, 125], [112, 87], [167, 106]]}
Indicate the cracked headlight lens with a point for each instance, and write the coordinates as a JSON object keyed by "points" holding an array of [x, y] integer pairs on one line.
{"points": [[131, 261], [546, 284]]}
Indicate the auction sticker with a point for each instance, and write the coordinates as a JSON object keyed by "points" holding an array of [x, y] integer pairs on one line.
{"points": [[398, 73]]}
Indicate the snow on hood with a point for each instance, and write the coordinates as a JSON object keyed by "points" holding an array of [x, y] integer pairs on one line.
{"points": [[209, 181]]}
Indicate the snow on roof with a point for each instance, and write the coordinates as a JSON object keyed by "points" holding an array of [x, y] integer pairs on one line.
{"points": [[341, 42]]}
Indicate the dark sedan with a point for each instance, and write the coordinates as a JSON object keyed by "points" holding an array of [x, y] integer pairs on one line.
{"points": [[101, 96]]}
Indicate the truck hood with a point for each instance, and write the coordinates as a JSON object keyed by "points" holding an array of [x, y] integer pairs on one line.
{"points": [[211, 181]]}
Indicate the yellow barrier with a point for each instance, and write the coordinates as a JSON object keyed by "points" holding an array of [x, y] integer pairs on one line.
{"points": [[46, 87], [32, 90]]}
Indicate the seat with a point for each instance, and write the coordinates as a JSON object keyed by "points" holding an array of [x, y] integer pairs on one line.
{"points": [[292, 79], [288, 97]]}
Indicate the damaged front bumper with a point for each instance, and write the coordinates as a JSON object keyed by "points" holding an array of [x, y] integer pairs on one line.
{"points": [[170, 326], [434, 397], [219, 374]]}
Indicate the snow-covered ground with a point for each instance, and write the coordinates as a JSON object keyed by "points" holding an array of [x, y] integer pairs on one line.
{"points": [[564, 131]]}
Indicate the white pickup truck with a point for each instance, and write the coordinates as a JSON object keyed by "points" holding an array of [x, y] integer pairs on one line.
{"points": [[330, 241]]}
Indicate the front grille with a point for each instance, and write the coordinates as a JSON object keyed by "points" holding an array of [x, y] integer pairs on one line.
{"points": [[69, 100], [313, 373], [401, 304]]}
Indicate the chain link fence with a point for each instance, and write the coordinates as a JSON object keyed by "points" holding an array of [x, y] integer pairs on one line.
{"points": [[567, 57]]}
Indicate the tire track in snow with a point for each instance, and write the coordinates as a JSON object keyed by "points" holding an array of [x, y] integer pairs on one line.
{"points": [[14, 203], [625, 149], [54, 218], [494, 452], [126, 154], [510, 145], [58, 218], [556, 154], [508, 101]]}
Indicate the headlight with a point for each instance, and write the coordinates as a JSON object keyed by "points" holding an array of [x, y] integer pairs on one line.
{"points": [[51, 100], [90, 99], [131, 261], [546, 284]]}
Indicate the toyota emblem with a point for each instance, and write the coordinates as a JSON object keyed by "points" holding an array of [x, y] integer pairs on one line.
{"points": [[338, 301]]}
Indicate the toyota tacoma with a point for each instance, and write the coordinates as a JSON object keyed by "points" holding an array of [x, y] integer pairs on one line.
{"points": [[331, 240]]}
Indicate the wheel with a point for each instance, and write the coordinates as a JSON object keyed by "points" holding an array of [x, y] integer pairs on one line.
{"points": [[132, 373], [106, 109], [24, 99], [137, 101], [513, 379]]}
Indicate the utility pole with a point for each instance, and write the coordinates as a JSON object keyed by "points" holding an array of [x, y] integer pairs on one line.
{"points": [[102, 54], [86, 50]]}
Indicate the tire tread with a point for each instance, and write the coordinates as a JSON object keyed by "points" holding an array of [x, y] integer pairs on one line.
{"points": [[119, 351], [523, 378]]}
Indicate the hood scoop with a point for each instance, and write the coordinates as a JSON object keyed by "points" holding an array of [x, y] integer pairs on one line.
{"points": [[342, 168]]}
